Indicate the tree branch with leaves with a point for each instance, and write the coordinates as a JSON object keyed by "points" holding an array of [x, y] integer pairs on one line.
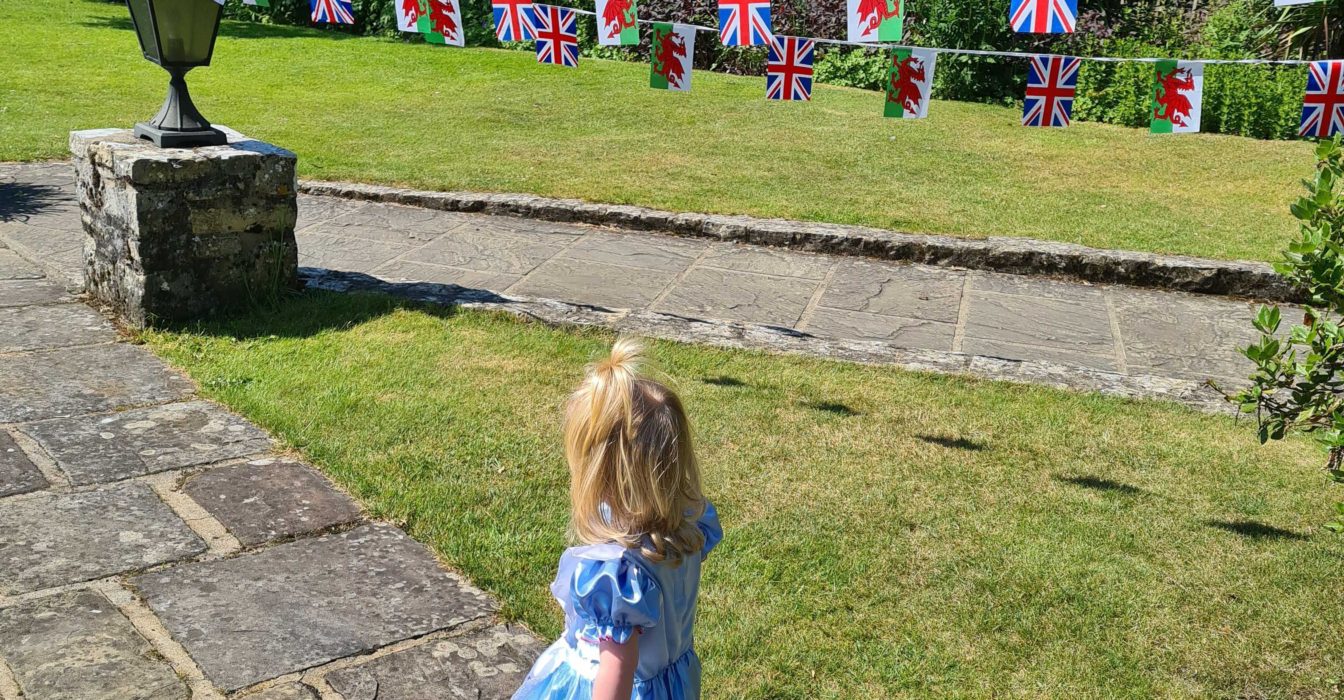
{"points": [[1297, 384]]}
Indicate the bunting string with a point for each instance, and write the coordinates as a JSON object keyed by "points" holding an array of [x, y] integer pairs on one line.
{"points": [[880, 46]]}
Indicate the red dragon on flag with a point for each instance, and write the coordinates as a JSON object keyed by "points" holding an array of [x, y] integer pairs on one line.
{"points": [[1171, 104], [410, 9], [618, 14], [905, 82], [874, 12], [667, 59]]}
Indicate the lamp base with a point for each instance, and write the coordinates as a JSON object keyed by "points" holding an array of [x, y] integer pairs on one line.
{"points": [[171, 138]]}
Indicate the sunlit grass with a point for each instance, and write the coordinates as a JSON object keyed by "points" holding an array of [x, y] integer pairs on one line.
{"points": [[889, 534], [379, 110]]}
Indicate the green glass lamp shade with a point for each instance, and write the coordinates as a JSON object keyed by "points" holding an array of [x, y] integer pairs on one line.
{"points": [[176, 32]]}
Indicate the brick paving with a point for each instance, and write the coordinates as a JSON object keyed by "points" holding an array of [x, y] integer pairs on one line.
{"points": [[152, 546]]}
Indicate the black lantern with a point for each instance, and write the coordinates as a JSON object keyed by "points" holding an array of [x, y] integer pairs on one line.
{"points": [[178, 35]]}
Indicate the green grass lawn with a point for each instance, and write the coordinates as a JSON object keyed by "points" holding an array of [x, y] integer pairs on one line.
{"points": [[379, 110], [889, 534]]}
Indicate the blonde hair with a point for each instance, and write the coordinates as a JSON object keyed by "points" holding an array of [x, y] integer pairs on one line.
{"points": [[634, 479]]}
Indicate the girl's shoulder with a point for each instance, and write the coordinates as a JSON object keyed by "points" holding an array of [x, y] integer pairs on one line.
{"points": [[710, 527]]}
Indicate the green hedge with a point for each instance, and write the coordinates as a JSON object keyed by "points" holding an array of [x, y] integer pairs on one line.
{"points": [[1257, 101]]}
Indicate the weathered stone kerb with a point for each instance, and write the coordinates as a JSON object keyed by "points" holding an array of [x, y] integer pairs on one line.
{"points": [[180, 233], [1015, 255]]}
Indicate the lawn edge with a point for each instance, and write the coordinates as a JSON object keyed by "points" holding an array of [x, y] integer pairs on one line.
{"points": [[774, 339], [1023, 256]]}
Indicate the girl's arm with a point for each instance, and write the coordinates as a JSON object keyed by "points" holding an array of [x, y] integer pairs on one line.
{"points": [[616, 669]]}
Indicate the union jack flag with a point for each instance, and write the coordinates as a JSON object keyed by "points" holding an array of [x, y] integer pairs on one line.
{"points": [[337, 11], [511, 19], [788, 74], [557, 32], [1323, 105], [1043, 16], [744, 22], [1052, 82]]}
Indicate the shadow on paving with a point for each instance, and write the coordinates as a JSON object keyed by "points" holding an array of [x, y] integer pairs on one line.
{"points": [[307, 313], [20, 200]]}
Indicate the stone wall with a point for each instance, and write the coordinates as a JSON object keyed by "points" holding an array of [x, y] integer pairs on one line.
{"points": [[176, 234]]}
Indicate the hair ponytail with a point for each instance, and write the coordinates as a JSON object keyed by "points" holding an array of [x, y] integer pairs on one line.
{"points": [[634, 478]]}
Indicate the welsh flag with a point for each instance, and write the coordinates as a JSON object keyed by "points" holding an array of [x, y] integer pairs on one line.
{"points": [[616, 23], [441, 22], [875, 20], [258, 3], [910, 83], [670, 54], [1174, 102], [408, 14]]}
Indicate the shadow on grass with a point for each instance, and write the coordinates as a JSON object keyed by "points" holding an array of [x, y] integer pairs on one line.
{"points": [[958, 443], [722, 381], [20, 200], [1099, 484], [833, 407], [1253, 530], [235, 29]]}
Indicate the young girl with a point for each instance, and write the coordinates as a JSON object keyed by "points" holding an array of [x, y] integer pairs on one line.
{"points": [[629, 591]]}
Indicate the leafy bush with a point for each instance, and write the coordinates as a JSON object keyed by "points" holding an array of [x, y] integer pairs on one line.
{"points": [[1297, 384]]}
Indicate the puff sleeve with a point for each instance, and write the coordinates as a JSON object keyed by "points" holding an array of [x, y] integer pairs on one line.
{"points": [[614, 596], [710, 527]]}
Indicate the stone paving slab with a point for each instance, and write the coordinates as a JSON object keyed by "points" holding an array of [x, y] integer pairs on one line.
{"points": [[636, 251], [271, 499], [905, 332], [98, 448], [486, 665], [439, 274], [492, 247], [739, 296], [23, 292], [392, 223], [325, 250], [1072, 324], [18, 474], [903, 291], [1187, 336], [55, 383], [51, 539], [767, 261], [52, 326], [588, 282], [78, 646], [293, 606], [13, 267]]}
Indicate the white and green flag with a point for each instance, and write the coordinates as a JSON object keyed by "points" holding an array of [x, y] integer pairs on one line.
{"points": [[670, 54], [909, 83], [616, 23], [1178, 90]]}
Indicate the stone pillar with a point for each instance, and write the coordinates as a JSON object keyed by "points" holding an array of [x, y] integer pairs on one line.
{"points": [[174, 234]]}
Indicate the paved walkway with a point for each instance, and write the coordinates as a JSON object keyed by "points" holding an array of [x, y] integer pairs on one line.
{"points": [[1126, 332], [152, 546]]}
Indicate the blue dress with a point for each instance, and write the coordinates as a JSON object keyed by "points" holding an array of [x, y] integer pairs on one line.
{"points": [[607, 591]]}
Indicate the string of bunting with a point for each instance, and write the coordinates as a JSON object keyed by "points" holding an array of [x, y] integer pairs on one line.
{"points": [[1174, 99]]}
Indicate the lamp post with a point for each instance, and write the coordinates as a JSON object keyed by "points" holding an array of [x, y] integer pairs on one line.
{"points": [[178, 35]]}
